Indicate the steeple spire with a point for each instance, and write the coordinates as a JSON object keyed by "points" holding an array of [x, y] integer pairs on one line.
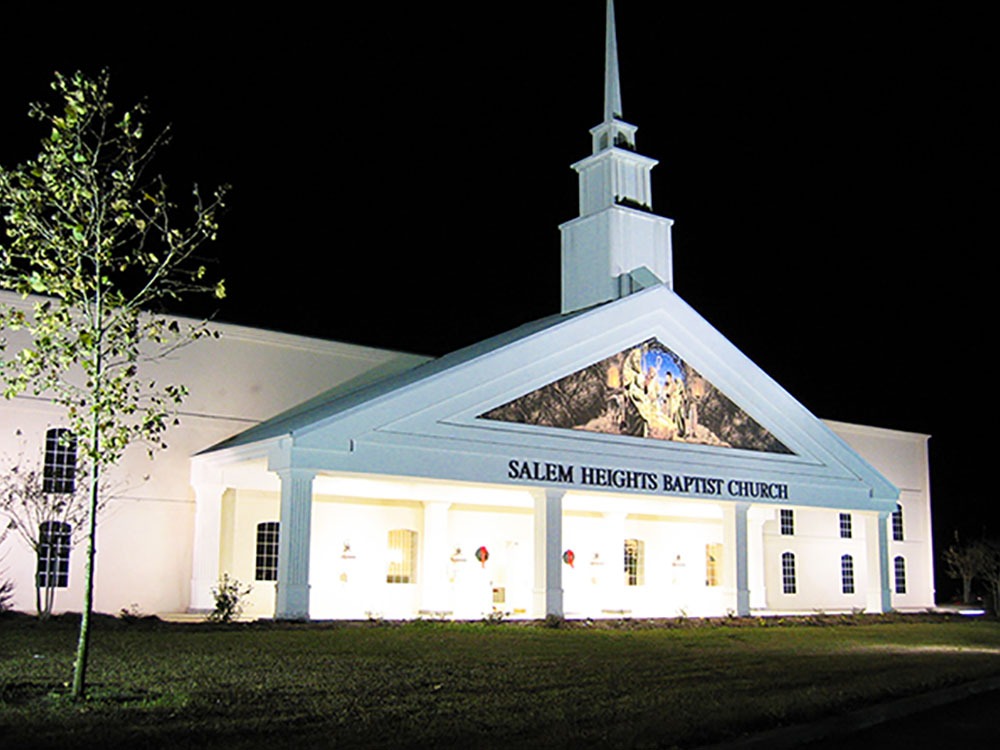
{"points": [[617, 245], [612, 83]]}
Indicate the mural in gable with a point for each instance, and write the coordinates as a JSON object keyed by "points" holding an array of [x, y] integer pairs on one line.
{"points": [[645, 391]]}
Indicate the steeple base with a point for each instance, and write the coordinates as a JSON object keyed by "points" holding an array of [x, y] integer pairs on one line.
{"points": [[604, 254]]}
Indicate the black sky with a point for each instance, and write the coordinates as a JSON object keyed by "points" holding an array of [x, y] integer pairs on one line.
{"points": [[399, 174]]}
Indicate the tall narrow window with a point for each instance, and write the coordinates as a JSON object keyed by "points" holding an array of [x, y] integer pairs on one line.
{"points": [[53, 554], [897, 523], [900, 566], [266, 558], [847, 574], [787, 522], [713, 562], [59, 469], [788, 573], [635, 562], [402, 556], [845, 526]]}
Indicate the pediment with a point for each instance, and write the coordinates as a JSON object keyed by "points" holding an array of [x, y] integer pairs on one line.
{"points": [[646, 390], [643, 382]]}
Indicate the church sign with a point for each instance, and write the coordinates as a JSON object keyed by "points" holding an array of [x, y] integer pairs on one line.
{"points": [[644, 481]]}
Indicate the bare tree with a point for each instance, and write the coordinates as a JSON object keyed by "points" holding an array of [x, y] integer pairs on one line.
{"points": [[50, 523], [991, 572], [966, 562]]}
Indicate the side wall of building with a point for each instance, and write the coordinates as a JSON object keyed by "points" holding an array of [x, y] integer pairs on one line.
{"points": [[902, 457], [145, 534]]}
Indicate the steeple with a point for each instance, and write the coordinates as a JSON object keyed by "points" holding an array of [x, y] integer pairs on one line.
{"points": [[612, 82], [617, 245]]}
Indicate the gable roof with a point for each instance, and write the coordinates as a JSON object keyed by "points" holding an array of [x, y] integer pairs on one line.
{"points": [[430, 421]]}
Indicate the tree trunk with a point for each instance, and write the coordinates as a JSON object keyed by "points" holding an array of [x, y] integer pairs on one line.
{"points": [[83, 643]]}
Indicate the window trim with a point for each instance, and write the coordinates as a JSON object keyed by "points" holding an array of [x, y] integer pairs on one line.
{"points": [[59, 462], [897, 524], [403, 570], [265, 566], [713, 564], [786, 520], [54, 544], [847, 575], [789, 578], [899, 571], [846, 526], [634, 561]]}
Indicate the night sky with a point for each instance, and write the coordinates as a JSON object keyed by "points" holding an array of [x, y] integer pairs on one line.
{"points": [[399, 175]]}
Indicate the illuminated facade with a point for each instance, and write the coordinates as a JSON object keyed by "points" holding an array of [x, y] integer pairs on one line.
{"points": [[621, 458]]}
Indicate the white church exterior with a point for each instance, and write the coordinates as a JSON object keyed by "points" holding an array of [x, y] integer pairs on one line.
{"points": [[619, 459]]}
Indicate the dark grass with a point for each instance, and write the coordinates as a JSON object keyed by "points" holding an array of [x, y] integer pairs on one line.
{"points": [[428, 684]]}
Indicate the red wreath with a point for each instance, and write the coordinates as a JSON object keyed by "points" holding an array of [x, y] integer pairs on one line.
{"points": [[568, 557], [482, 554]]}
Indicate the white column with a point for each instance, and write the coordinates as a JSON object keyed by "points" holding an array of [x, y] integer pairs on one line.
{"points": [[548, 592], [735, 555], [883, 557], [879, 595], [434, 556], [292, 590], [613, 555], [756, 579], [207, 532]]}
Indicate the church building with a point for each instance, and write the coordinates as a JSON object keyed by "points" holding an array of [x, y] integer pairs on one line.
{"points": [[618, 459]]}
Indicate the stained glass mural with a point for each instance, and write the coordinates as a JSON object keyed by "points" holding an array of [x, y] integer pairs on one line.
{"points": [[645, 391]]}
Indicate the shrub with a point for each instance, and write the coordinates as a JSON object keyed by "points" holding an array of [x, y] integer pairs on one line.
{"points": [[228, 599], [6, 594]]}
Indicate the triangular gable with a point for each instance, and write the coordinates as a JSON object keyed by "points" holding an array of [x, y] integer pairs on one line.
{"points": [[433, 422], [646, 390]]}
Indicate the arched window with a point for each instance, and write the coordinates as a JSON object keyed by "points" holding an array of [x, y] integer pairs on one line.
{"points": [[788, 573], [59, 469], [53, 554], [402, 556], [899, 564], [897, 523], [266, 557], [847, 574], [635, 562]]}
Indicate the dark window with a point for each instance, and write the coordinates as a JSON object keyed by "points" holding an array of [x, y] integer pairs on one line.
{"points": [[53, 554], [845, 526], [847, 574], [787, 522], [900, 566], [788, 573], [897, 523], [266, 558], [59, 470]]}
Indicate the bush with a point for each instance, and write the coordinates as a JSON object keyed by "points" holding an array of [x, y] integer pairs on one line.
{"points": [[228, 599]]}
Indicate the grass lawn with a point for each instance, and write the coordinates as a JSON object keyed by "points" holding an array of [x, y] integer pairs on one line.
{"points": [[628, 684]]}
